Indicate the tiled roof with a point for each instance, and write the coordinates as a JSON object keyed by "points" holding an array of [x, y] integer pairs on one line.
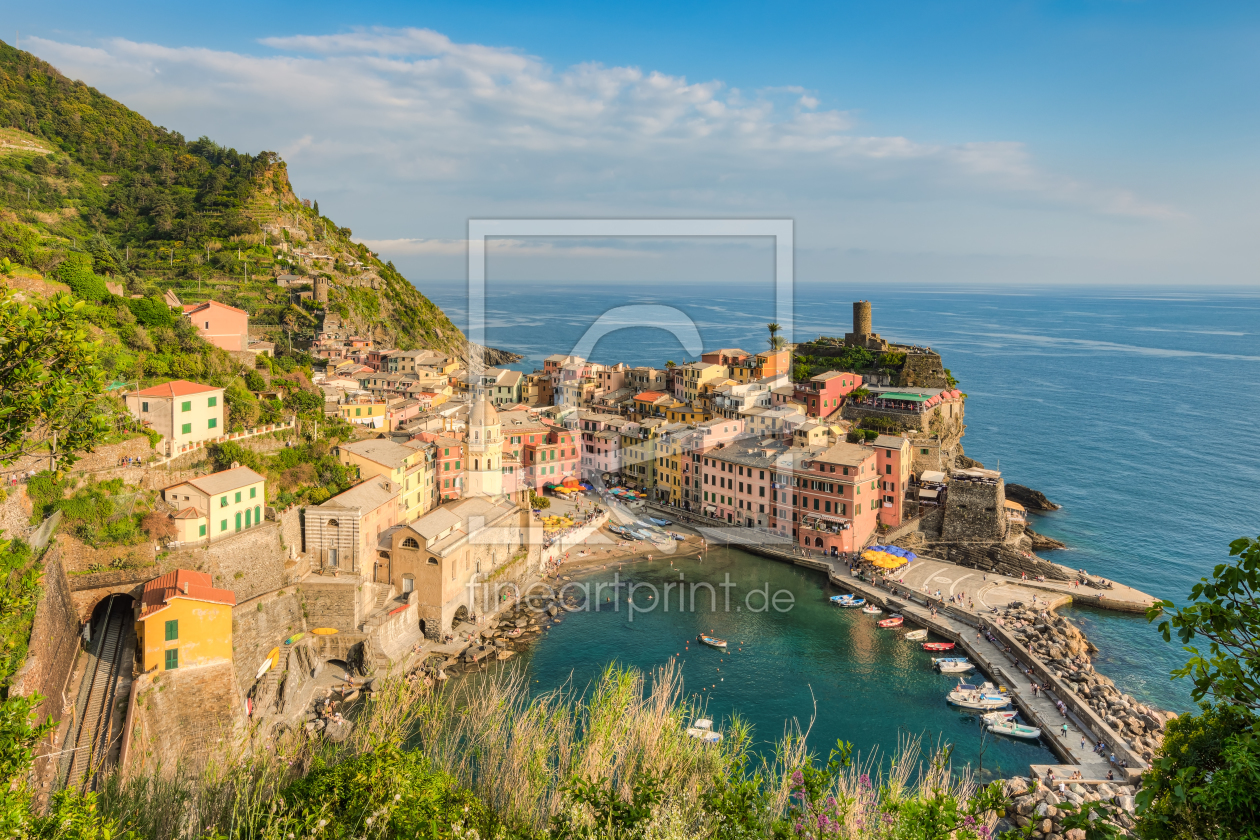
{"points": [[176, 388], [224, 481], [182, 583]]}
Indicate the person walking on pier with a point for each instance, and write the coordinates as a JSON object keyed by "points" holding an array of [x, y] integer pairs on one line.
{"points": [[1065, 732]]}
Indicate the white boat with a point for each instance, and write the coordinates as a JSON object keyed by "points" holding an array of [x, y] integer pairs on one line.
{"points": [[702, 730], [1015, 730], [980, 698], [871, 609], [916, 635], [848, 601], [954, 667], [999, 717]]}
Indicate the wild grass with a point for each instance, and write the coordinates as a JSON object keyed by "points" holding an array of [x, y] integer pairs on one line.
{"points": [[519, 755]]}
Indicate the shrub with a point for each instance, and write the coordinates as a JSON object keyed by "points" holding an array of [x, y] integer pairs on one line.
{"points": [[151, 311], [76, 272]]}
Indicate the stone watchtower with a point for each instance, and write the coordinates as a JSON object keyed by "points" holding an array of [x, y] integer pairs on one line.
{"points": [[862, 335], [321, 289]]}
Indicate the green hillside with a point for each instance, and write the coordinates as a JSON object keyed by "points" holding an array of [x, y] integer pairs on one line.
{"points": [[93, 193]]}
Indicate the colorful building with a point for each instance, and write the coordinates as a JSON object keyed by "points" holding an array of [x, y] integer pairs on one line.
{"points": [[184, 622], [221, 325], [212, 507], [342, 533], [893, 463], [835, 497], [408, 466], [823, 393], [184, 413]]}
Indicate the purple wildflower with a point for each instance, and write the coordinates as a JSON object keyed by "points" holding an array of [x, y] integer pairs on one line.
{"points": [[865, 782], [969, 821], [797, 777]]}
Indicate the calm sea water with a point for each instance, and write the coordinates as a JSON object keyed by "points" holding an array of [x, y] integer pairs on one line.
{"points": [[1135, 411]]}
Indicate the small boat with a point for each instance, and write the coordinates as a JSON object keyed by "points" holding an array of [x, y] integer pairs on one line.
{"points": [[871, 609], [1014, 730], [325, 631], [954, 666], [980, 698], [938, 645], [268, 663], [892, 621], [916, 635], [711, 641], [847, 601], [661, 522], [702, 730], [999, 717], [295, 637]]}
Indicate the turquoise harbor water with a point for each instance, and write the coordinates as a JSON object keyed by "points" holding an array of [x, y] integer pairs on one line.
{"points": [[808, 660], [1136, 411]]}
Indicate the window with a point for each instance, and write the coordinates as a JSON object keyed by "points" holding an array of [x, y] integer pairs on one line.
{"points": [[213, 423], [238, 496], [186, 429], [238, 520], [172, 630], [201, 530], [223, 502], [923, 452], [253, 492], [887, 469], [410, 542], [212, 402], [172, 659], [144, 406], [223, 525], [358, 412], [186, 406]]}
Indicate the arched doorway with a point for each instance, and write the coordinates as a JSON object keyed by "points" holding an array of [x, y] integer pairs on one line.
{"points": [[818, 542], [461, 615]]}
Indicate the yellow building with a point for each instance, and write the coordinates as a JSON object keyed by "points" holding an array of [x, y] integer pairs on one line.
{"points": [[686, 414], [184, 413], [184, 622], [411, 466], [218, 505], [697, 374]]}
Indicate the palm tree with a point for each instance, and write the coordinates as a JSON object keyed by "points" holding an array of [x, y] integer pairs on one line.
{"points": [[671, 364], [776, 341]]}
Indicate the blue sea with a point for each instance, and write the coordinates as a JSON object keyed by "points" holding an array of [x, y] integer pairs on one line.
{"points": [[1135, 410]]}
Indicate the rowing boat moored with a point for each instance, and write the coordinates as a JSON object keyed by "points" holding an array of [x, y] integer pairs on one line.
{"points": [[712, 641]]}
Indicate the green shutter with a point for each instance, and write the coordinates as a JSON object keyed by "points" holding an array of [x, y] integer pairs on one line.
{"points": [[186, 429], [238, 496], [201, 530], [214, 422], [172, 630], [212, 402], [172, 659], [223, 502], [223, 525], [187, 406], [253, 492]]}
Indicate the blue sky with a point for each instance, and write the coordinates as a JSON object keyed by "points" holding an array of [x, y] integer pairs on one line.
{"points": [[1091, 142]]}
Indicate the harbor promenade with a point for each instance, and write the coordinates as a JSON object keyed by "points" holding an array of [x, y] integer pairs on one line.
{"points": [[968, 620]]}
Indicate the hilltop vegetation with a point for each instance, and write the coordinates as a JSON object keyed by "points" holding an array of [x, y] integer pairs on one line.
{"points": [[92, 193]]}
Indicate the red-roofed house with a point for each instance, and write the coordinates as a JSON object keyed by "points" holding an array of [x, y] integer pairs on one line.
{"points": [[184, 621], [182, 412], [221, 325]]}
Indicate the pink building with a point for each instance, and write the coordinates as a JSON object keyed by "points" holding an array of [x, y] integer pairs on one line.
{"points": [[893, 463], [726, 356], [738, 482], [822, 393], [221, 325], [835, 498], [548, 457]]}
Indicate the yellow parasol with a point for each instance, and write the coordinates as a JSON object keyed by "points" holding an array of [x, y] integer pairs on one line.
{"points": [[883, 559]]}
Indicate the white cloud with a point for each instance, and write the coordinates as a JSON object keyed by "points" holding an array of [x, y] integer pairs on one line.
{"points": [[405, 133]]}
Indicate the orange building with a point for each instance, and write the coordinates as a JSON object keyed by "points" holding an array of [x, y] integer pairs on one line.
{"points": [[184, 621]]}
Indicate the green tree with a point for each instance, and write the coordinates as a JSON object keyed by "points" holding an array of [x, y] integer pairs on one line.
{"points": [[76, 272], [1225, 613], [51, 379]]}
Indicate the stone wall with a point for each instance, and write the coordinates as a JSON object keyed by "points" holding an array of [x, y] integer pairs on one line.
{"points": [[260, 624], [248, 563], [974, 511], [86, 591], [923, 370], [1001, 559], [335, 602], [54, 642], [183, 717]]}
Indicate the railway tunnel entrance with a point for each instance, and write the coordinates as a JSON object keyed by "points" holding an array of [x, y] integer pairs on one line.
{"points": [[94, 737]]}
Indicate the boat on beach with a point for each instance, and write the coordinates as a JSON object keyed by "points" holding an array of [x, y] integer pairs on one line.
{"points": [[711, 641], [871, 609], [892, 621], [916, 635], [938, 645]]}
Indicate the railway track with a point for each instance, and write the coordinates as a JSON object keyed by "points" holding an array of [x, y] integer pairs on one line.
{"points": [[93, 732]]}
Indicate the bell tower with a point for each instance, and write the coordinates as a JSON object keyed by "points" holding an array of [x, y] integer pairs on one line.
{"points": [[483, 449]]}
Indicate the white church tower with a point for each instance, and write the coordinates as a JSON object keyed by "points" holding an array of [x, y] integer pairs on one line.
{"points": [[483, 449]]}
